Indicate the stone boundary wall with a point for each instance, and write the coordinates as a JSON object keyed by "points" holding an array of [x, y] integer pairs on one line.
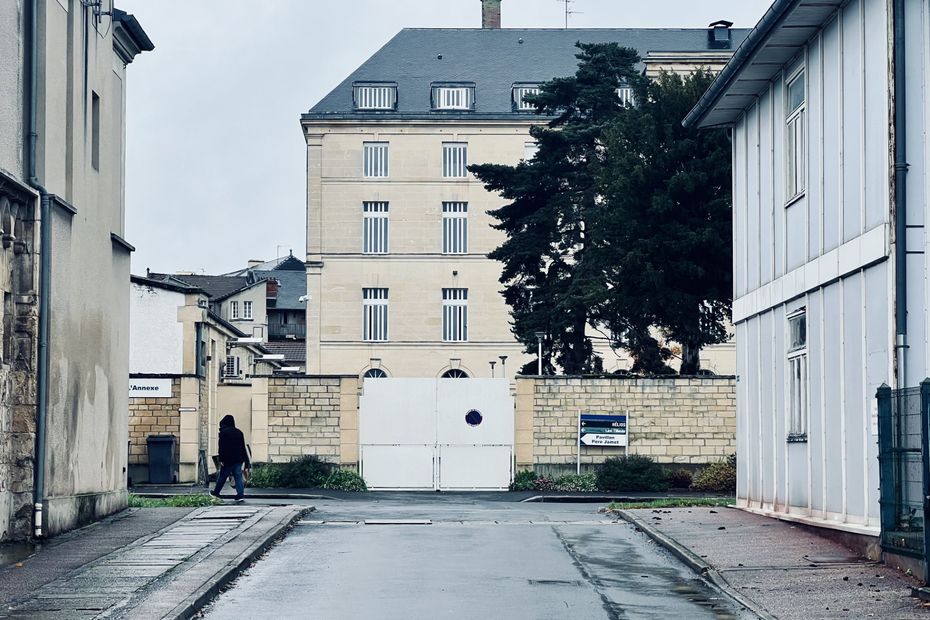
{"points": [[313, 415], [682, 420], [152, 416]]}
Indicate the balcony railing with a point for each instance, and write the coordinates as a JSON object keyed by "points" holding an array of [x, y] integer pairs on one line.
{"points": [[292, 330]]}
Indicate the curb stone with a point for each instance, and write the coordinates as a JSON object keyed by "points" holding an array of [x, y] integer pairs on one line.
{"points": [[205, 594], [704, 570]]}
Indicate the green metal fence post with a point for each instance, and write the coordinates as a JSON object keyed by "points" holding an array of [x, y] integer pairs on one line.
{"points": [[885, 460], [925, 461]]}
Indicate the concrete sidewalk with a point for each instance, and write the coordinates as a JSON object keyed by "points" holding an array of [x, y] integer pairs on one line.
{"points": [[176, 562], [779, 570]]}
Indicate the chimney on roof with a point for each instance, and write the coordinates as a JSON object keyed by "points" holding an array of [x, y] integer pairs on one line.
{"points": [[491, 14], [254, 262], [718, 35], [271, 289]]}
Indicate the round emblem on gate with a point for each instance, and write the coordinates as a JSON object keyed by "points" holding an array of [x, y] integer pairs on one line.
{"points": [[473, 417]]}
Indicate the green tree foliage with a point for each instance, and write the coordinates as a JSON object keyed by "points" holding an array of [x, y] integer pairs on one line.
{"points": [[621, 220], [553, 274], [669, 191]]}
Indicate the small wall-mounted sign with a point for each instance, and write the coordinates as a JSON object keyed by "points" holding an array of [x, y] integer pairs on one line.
{"points": [[149, 388]]}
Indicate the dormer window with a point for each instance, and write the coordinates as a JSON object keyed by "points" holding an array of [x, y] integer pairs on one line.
{"points": [[520, 92], [718, 35], [460, 96], [375, 95]]}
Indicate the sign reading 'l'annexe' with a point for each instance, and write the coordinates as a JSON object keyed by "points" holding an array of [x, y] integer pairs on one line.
{"points": [[149, 388]]}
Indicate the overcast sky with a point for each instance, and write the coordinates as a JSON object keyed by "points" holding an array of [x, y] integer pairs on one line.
{"points": [[215, 156]]}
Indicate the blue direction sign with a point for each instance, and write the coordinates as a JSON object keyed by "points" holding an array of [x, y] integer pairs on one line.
{"points": [[603, 430]]}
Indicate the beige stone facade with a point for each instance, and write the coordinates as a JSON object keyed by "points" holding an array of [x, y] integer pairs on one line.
{"points": [[70, 156], [313, 415], [153, 416], [411, 268], [686, 421]]}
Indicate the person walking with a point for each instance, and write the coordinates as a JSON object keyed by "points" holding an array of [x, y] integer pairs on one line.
{"points": [[233, 458]]}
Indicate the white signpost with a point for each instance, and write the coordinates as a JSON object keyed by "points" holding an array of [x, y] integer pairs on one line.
{"points": [[601, 430], [149, 388]]}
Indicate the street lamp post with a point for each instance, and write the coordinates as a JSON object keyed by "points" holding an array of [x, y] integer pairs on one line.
{"points": [[539, 337]]}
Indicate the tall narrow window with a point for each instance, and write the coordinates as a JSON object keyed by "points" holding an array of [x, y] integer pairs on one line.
{"points": [[626, 96], [454, 227], [375, 155], [454, 160], [797, 376], [374, 314], [247, 310], [529, 150], [455, 314], [95, 130], [375, 227], [234, 309], [795, 137]]}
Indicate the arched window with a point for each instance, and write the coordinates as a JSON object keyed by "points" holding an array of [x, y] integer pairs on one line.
{"points": [[374, 373], [454, 373]]}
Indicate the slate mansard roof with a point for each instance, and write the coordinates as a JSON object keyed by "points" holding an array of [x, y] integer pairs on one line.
{"points": [[494, 60]]}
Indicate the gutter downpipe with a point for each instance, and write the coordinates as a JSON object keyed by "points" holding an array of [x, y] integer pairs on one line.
{"points": [[44, 273], [900, 192]]}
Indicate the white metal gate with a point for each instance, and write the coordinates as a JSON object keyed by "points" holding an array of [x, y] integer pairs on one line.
{"points": [[446, 434]]}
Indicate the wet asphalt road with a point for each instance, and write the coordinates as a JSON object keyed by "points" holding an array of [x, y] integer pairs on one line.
{"points": [[477, 559]]}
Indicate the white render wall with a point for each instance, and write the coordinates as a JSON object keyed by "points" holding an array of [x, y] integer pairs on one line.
{"points": [[156, 335], [827, 251]]}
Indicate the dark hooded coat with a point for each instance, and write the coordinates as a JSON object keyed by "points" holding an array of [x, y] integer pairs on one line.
{"points": [[232, 443]]}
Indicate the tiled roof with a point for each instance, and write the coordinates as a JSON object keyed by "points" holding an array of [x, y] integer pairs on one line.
{"points": [[494, 59], [216, 287], [294, 351]]}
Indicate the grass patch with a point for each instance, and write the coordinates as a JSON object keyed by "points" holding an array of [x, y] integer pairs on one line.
{"points": [[677, 502], [192, 500]]}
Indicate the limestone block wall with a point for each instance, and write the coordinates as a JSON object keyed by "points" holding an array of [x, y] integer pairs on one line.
{"points": [[688, 421], [152, 416], [313, 415]]}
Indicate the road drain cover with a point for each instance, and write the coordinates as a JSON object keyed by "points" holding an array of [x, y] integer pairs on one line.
{"points": [[554, 582], [398, 522]]}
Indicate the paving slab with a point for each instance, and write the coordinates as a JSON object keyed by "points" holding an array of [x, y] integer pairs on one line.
{"points": [[166, 574], [785, 571]]}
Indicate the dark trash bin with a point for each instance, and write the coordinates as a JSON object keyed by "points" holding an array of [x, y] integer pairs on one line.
{"points": [[161, 459]]}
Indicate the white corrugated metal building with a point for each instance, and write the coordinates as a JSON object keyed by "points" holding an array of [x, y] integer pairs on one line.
{"points": [[810, 99]]}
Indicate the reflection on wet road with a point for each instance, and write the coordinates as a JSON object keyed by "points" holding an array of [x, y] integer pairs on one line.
{"points": [[447, 558]]}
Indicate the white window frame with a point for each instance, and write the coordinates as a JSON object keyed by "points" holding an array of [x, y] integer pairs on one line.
{"points": [[454, 160], [374, 314], [374, 96], [375, 160], [454, 227], [795, 139], [231, 368], [529, 150], [519, 94], [626, 95], [455, 97], [375, 227], [455, 315], [247, 310], [233, 310], [797, 402]]}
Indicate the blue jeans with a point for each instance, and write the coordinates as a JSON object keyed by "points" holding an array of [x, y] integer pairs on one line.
{"points": [[236, 470]]}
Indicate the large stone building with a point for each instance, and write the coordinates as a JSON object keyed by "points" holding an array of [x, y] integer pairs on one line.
{"points": [[398, 231], [64, 262]]}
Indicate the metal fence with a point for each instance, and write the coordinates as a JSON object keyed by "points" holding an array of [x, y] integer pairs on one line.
{"points": [[903, 468]]}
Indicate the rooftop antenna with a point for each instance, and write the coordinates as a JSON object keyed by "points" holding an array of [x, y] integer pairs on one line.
{"points": [[568, 10]]}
